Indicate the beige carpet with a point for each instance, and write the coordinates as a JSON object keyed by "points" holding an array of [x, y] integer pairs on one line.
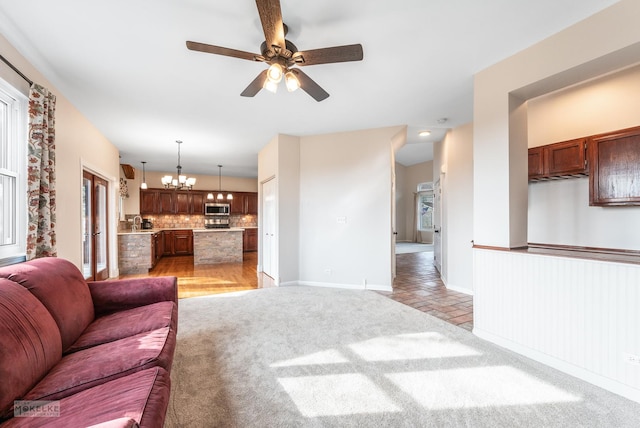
{"points": [[315, 357]]}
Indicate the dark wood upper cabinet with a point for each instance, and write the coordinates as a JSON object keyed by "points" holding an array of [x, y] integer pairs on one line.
{"points": [[614, 176], [565, 159], [165, 202], [182, 203], [148, 202], [197, 202], [536, 163], [568, 157], [252, 203]]}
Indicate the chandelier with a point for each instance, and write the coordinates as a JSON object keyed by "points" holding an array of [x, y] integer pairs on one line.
{"points": [[182, 181]]}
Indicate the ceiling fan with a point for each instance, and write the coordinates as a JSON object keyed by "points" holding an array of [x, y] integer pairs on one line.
{"points": [[283, 56]]}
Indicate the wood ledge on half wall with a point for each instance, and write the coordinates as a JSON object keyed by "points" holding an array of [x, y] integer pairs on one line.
{"points": [[573, 251]]}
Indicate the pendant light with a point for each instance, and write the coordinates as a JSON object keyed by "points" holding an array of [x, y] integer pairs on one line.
{"points": [[143, 186], [220, 196], [182, 181]]}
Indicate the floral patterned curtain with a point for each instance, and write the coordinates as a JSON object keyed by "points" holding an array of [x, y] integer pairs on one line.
{"points": [[41, 167]]}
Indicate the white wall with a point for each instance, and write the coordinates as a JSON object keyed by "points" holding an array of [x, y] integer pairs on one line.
{"points": [[559, 211], [455, 154], [346, 176], [78, 145]]}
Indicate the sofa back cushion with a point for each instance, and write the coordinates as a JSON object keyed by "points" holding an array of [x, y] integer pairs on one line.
{"points": [[61, 288], [30, 342]]}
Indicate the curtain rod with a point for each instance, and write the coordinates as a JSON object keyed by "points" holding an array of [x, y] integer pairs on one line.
{"points": [[13, 67]]}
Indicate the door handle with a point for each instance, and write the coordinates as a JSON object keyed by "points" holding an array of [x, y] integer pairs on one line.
{"points": [[97, 233]]}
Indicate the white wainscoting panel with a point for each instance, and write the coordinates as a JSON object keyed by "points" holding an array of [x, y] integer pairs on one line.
{"points": [[580, 316]]}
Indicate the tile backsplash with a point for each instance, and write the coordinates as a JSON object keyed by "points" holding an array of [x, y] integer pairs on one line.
{"points": [[188, 221]]}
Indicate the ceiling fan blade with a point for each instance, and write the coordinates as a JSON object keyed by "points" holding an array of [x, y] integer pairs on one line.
{"points": [[255, 86], [329, 55], [203, 47], [271, 18], [309, 86]]}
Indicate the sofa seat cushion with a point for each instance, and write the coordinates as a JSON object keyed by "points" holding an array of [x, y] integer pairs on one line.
{"points": [[61, 288], [30, 343], [140, 398], [99, 364], [120, 325]]}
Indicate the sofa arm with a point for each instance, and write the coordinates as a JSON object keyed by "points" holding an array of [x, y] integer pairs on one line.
{"points": [[116, 295]]}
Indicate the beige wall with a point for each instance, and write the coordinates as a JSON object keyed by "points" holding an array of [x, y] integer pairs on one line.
{"points": [[407, 180], [78, 145], [514, 291], [559, 211]]}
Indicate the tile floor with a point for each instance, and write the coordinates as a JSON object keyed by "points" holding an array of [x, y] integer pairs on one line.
{"points": [[418, 285]]}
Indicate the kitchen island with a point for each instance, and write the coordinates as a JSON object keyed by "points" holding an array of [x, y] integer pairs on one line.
{"points": [[211, 246]]}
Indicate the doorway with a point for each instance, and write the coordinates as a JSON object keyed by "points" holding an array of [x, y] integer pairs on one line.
{"points": [[268, 247], [95, 261]]}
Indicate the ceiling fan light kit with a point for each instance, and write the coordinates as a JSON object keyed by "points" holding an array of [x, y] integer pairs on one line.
{"points": [[282, 56]]}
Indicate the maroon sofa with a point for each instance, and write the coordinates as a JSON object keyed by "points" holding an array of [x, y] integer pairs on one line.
{"points": [[101, 350]]}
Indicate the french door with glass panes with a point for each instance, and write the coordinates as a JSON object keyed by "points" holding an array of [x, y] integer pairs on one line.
{"points": [[94, 227]]}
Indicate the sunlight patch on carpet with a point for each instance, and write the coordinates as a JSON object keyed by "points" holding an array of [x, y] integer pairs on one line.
{"points": [[412, 346], [478, 387], [336, 395], [330, 356]]}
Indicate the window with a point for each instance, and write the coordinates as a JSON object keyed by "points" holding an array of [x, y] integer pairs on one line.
{"points": [[13, 182], [425, 207]]}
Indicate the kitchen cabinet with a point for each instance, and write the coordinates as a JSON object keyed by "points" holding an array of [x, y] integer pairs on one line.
{"points": [[250, 240], [197, 202], [244, 203], [558, 160], [614, 168], [178, 242], [182, 242], [157, 247], [162, 201], [148, 202], [165, 202]]}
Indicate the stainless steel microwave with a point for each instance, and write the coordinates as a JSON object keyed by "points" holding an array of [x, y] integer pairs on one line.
{"points": [[214, 208]]}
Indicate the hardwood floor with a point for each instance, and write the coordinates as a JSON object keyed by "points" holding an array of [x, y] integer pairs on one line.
{"points": [[417, 283], [203, 280]]}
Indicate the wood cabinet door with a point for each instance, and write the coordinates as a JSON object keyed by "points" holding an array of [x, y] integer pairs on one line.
{"points": [[252, 203], [250, 240], [182, 242], [614, 168], [237, 203], [167, 239], [568, 157], [165, 202], [197, 203], [182, 203], [158, 246], [148, 199], [536, 163]]}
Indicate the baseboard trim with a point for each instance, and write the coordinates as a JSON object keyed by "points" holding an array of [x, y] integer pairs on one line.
{"points": [[459, 289], [563, 366], [375, 287]]}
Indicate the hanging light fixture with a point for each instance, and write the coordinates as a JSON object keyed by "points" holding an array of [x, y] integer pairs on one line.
{"points": [[220, 195], [143, 186], [182, 181]]}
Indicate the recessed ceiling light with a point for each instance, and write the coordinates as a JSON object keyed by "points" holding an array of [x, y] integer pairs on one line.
{"points": [[424, 133]]}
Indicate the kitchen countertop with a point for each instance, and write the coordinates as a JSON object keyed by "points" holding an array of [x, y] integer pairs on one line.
{"points": [[198, 229]]}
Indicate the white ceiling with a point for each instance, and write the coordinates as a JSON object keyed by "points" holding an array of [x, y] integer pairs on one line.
{"points": [[124, 65]]}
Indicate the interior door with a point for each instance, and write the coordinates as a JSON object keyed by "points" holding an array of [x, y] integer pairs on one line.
{"points": [[95, 262], [437, 225], [268, 250]]}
